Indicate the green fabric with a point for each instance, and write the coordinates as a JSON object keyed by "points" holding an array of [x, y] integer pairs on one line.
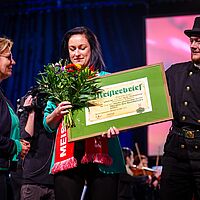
{"points": [[49, 109], [103, 73], [51, 106], [115, 152], [114, 147], [3, 169], [15, 133]]}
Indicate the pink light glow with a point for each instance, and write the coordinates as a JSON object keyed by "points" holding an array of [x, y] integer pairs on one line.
{"points": [[167, 43]]}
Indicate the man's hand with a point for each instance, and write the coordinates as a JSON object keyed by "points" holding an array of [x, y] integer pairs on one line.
{"points": [[25, 148]]}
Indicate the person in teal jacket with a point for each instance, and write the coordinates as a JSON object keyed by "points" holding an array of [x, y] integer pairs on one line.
{"points": [[11, 147], [100, 168]]}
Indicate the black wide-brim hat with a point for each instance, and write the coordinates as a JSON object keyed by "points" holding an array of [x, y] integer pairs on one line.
{"points": [[195, 30]]}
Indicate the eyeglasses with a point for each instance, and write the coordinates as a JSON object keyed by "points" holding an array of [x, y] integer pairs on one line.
{"points": [[7, 55]]}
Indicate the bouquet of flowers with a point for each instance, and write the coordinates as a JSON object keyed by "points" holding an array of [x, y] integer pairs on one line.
{"points": [[71, 83]]}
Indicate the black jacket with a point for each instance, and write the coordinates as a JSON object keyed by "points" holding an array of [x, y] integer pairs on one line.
{"points": [[6, 144], [36, 164], [184, 88]]}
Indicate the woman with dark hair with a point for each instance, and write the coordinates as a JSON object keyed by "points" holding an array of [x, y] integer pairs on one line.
{"points": [[95, 58], [10, 144], [101, 167]]}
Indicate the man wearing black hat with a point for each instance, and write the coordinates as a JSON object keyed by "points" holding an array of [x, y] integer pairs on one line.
{"points": [[180, 178]]}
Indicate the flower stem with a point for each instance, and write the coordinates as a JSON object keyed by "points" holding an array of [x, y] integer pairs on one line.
{"points": [[68, 120]]}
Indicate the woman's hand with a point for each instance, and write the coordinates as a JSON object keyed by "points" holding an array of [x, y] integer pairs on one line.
{"points": [[112, 131], [55, 117], [25, 148], [63, 108]]}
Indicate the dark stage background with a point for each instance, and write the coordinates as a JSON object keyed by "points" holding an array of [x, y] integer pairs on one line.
{"points": [[37, 27]]}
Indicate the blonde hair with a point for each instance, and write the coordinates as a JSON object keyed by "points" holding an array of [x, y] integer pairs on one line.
{"points": [[5, 43]]}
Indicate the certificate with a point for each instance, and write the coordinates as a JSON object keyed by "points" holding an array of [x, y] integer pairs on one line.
{"points": [[120, 100], [127, 99]]}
